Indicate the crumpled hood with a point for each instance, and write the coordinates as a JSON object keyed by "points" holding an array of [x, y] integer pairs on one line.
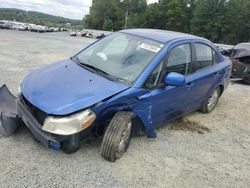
{"points": [[65, 87]]}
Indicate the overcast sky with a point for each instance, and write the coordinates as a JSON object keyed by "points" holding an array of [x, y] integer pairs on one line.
{"points": [[75, 9]]}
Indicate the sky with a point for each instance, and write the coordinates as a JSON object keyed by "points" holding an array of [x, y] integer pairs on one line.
{"points": [[74, 9]]}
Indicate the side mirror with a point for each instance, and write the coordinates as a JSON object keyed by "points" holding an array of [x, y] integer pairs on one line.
{"points": [[175, 79]]}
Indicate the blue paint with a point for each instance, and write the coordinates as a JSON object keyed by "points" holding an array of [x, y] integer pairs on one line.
{"points": [[175, 79], [158, 35], [65, 87]]}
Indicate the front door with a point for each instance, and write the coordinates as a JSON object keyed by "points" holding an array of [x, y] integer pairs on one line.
{"points": [[170, 102]]}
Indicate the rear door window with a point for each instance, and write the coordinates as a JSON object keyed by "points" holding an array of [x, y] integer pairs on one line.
{"points": [[205, 56]]}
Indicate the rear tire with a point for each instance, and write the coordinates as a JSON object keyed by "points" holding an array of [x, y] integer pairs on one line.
{"points": [[211, 102], [117, 136]]}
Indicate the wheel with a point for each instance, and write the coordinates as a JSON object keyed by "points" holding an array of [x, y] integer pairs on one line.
{"points": [[72, 144], [211, 102], [117, 136], [246, 81]]}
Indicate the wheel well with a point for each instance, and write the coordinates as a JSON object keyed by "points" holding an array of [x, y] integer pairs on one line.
{"points": [[138, 126], [221, 89]]}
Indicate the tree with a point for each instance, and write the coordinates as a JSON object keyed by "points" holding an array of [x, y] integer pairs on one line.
{"points": [[136, 12], [177, 15], [209, 19], [223, 21], [153, 17], [102, 13], [237, 26]]}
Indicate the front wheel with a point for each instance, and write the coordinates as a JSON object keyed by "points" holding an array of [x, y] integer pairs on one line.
{"points": [[211, 102], [117, 136]]}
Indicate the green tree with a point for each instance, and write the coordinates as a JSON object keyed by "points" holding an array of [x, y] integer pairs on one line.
{"points": [[209, 19], [177, 15], [136, 12], [103, 12], [154, 17], [237, 28]]}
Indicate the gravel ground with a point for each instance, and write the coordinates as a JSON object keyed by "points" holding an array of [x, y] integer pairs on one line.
{"points": [[197, 151]]}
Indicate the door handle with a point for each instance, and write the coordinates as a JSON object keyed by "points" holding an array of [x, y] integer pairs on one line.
{"points": [[189, 85], [216, 74], [143, 97]]}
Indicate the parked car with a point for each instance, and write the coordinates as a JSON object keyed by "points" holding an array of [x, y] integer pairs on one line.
{"points": [[100, 36], [2, 24], [224, 49], [89, 35], [128, 83], [240, 57], [73, 33]]}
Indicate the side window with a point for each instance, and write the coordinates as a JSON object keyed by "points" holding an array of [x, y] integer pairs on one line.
{"points": [[205, 55], [153, 79], [179, 60]]}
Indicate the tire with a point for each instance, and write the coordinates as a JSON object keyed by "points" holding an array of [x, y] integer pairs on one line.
{"points": [[117, 136], [246, 81], [211, 102], [72, 144]]}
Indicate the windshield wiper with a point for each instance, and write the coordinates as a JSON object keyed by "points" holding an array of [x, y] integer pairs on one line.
{"points": [[96, 69]]}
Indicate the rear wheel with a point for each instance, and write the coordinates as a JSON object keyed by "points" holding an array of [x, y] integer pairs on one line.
{"points": [[117, 136], [211, 102]]}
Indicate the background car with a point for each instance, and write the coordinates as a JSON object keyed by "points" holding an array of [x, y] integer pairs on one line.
{"points": [[240, 56]]}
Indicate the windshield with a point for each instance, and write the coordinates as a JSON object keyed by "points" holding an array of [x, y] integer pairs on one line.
{"points": [[242, 46], [121, 56]]}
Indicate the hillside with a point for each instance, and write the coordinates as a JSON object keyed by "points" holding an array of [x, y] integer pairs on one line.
{"points": [[36, 18]]}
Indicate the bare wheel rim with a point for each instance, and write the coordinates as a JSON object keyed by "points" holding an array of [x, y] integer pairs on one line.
{"points": [[212, 101], [124, 139]]}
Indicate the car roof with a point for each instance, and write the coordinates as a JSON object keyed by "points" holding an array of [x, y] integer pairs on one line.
{"points": [[162, 36]]}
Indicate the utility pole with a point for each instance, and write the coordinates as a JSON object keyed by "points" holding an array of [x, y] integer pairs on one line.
{"points": [[126, 19]]}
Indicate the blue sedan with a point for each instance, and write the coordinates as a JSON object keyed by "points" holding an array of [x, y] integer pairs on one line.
{"points": [[128, 83]]}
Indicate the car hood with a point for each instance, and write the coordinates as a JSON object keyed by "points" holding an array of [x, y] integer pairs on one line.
{"points": [[65, 87]]}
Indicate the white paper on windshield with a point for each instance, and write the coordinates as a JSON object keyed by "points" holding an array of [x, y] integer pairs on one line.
{"points": [[149, 47]]}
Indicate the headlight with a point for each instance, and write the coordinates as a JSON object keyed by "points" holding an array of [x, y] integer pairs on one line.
{"points": [[69, 125]]}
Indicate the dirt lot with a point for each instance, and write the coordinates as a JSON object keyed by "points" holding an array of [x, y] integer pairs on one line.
{"points": [[199, 151]]}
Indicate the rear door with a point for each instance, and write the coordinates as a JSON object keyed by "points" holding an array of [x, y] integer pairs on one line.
{"points": [[206, 74]]}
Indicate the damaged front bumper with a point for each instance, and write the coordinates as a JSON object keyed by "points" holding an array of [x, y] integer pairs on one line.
{"points": [[9, 118], [35, 127], [13, 110]]}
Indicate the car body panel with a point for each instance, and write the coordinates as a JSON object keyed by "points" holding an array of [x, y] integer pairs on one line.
{"points": [[159, 35], [65, 87]]}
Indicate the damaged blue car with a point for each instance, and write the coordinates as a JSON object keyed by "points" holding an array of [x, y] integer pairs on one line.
{"points": [[128, 83]]}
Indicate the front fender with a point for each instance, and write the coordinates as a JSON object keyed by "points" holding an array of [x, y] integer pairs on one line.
{"points": [[141, 108]]}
